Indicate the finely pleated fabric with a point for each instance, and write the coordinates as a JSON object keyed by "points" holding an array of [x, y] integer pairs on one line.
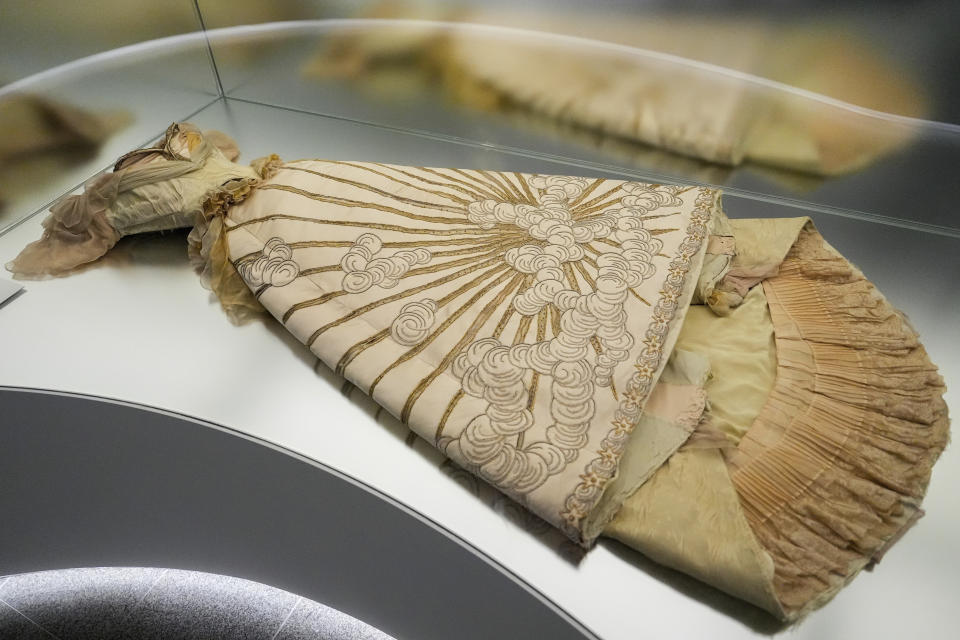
{"points": [[836, 464], [834, 447]]}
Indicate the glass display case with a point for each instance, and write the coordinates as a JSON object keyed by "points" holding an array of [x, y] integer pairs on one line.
{"points": [[841, 113]]}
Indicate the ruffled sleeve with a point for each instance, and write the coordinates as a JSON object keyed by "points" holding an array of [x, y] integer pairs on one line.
{"points": [[154, 189]]}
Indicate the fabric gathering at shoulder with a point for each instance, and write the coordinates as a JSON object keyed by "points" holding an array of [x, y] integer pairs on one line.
{"points": [[154, 189]]}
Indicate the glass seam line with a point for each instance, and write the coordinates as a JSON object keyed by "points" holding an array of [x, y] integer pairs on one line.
{"points": [[213, 58], [45, 207], [826, 209]]}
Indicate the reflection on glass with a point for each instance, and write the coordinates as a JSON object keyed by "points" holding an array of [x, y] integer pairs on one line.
{"points": [[43, 137], [654, 99], [771, 103], [80, 83], [610, 106]]}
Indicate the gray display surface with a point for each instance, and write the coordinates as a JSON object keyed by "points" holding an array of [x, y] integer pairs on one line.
{"points": [[90, 483], [118, 603]]}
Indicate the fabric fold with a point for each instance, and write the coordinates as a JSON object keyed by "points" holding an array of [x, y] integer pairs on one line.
{"points": [[154, 189], [837, 462], [834, 447], [486, 309]]}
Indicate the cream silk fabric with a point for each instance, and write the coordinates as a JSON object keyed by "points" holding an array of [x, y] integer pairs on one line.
{"points": [[834, 416], [688, 516], [489, 311]]}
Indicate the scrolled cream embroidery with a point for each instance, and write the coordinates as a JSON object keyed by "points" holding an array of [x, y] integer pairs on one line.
{"points": [[494, 371], [363, 269], [274, 266], [414, 322]]}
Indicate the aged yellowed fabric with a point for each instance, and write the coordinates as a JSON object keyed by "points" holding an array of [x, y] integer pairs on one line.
{"points": [[688, 515], [673, 411], [838, 417], [742, 356], [155, 189], [487, 310], [835, 466]]}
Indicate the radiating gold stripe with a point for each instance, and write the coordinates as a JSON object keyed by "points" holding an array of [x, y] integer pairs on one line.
{"points": [[466, 250], [595, 341], [360, 185], [468, 337], [247, 256], [359, 311], [360, 204], [372, 225], [585, 211], [442, 194], [333, 244], [504, 319], [395, 245], [351, 354], [660, 232], [446, 415], [586, 276], [662, 215], [498, 250], [579, 209], [483, 185], [592, 249], [543, 319], [514, 188], [472, 189], [586, 192], [607, 241], [638, 296], [311, 244], [509, 189], [502, 324], [413, 351], [526, 188], [554, 318], [310, 303], [469, 193], [571, 277], [522, 330], [508, 314], [490, 180], [324, 269]]}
